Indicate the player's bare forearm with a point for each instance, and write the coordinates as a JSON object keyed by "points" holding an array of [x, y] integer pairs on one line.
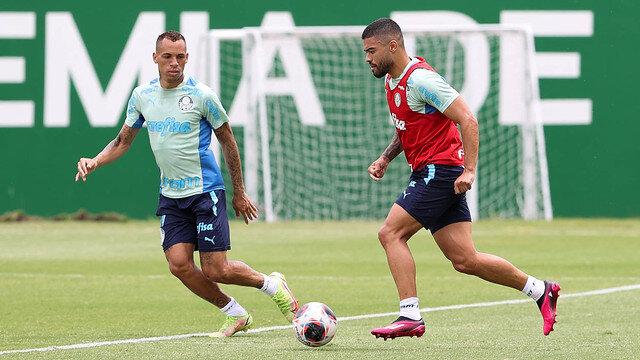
{"points": [[460, 113], [470, 143], [231, 156], [379, 166], [117, 147], [241, 202], [394, 149]]}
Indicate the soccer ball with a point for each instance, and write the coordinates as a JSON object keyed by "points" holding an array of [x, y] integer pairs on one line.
{"points": [[315, 324]]}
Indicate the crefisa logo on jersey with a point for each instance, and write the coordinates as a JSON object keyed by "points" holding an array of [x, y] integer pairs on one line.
{"points": [[185, 103], [396, 99], [400, 124]]}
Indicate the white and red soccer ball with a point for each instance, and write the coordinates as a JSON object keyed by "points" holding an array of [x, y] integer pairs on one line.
{"points": [[315, 324]]}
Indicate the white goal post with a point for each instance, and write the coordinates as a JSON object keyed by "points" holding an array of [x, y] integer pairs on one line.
{"points": [[313, 117]]}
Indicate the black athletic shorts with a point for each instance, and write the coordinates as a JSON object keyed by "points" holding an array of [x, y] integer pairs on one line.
{"points": [[199, 219], [431, 199]]}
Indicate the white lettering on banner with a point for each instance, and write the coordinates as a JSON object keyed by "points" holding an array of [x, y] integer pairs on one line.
{"points": [[558, 65], [12, 70], [67, 63], [550, 65], [193, 25], [16, 113], [67, 59], [514, 94], [296, 82], [16, 25]]}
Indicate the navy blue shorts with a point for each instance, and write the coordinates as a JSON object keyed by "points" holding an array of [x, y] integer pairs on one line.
{"points": [[431, 199], [198, 219]]}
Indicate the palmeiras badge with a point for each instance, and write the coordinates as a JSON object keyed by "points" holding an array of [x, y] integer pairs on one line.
{"points": [[185, 103], [396, 99]]}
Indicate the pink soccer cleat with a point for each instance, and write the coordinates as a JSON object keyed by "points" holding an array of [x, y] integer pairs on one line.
{"points": [[401, 327], [547, 305]]}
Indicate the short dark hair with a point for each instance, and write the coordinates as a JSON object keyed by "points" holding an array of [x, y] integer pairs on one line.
{"points": [[171, 35], [384, 27]]}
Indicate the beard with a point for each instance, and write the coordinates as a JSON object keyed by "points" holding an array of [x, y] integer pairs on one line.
{"points": [[381, 69]]}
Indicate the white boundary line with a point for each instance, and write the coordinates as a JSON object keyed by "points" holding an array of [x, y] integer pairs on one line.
{"points": [[346, 318]]}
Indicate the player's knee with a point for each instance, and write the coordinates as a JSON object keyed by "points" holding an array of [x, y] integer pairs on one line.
{"points": [[465, 265], [385, 236], [181, 269], [389, 236]]}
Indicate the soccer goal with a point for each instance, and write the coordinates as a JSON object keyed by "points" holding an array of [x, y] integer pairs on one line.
{"points": [[310, 117]]}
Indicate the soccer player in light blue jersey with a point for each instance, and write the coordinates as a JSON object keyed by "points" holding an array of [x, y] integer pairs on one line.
{"points": [[180, 114]]}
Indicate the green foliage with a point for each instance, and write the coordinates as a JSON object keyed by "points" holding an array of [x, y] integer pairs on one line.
{"points": [[80, 215]]}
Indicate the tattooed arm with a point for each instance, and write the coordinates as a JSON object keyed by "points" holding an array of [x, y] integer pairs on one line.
{"points": [[241, 202], [378, 167], [394, 149], [114, 150]]}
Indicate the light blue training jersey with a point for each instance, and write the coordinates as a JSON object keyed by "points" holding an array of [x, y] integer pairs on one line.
{"points": [[180, 121]]}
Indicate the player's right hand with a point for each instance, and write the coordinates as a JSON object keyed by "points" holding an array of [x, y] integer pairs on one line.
{"points": [[244, 207], [85, 167], [377, 168]]}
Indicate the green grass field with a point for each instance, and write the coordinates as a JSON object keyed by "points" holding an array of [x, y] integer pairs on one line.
{"points": [[66, 283]]}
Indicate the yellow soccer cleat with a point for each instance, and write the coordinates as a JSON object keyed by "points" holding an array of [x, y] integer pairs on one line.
{"points": [[284, 298], [234, 324]]}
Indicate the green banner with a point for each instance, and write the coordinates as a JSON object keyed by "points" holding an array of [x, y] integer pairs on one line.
{"points": [[67, 69]]}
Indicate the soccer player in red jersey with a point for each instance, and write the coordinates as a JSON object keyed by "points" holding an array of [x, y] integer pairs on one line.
{"points": [[426, 112]]}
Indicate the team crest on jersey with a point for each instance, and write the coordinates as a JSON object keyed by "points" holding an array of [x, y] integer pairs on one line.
{"points": [[185, 103], [396, 99]]}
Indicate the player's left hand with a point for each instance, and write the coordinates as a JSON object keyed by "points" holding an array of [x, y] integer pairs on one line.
{"points": [[243, 206], [464, 181]]}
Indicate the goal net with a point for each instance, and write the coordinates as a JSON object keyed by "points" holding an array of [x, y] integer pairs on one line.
{"points": [[310, 117]]}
